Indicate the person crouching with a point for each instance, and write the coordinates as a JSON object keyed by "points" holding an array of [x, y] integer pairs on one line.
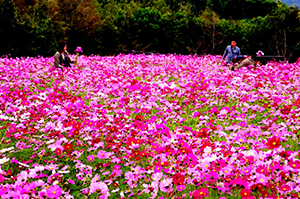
{"points": [[61, 57], [246, 62]]}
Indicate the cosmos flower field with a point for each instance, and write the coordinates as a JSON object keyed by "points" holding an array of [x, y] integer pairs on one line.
{"points": [[148, 126]]}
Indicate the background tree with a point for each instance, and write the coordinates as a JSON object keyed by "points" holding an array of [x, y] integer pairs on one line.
{"points": [[211, 36], [8, 26], [164, 26], [283, 31], [241, 9]]}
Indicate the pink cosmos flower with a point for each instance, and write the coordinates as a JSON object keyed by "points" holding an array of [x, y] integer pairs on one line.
{"points": [[91, 158], [247, 170], [153, 119], [200, 193], [261, 179], [157, 169], [243, 116], [29, 187], [15, 194], [180, 187], [166, 185], [57, 151], [262, 169], [260, 53], [85, 191], [117, 172], [273, 142], [78, 50], [94, 187], [243, 124], [54, 191], [26, 103], [51, 167], [95, 178], [102, 154], [71, 181], [295, 164], [1, 178], [168, 171], [245, 193], [285, 188]]}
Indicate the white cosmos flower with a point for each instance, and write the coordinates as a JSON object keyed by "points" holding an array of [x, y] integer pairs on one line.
{"points": [[6, 149], [3, 160]]}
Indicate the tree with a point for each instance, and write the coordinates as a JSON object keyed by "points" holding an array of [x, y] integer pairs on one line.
{"points": [[241, 9], [7, 26], [147, 24], [284, 30], [210, 21]]}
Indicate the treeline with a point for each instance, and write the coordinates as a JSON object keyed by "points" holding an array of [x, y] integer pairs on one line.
{"points": [[34, 27]]}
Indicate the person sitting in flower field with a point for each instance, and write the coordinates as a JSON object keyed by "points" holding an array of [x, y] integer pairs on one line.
{"points": [[61, 57], [233, 53]]}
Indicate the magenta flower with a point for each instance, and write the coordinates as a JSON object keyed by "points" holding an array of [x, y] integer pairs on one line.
{"points": [[260, 53], [26, 103], [71, 181], [168, 171], [285, 188], [180, 187], [1, 178], [91, 158], [247, 170], [117, 172], [153, 119], [54, 191], [85, 191], [200, 193], [243, 124], [78, 50], [243, 116], [158, 169]]}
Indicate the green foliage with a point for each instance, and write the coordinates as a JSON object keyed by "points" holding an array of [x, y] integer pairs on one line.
{"points": [[147, 24], [164, 26], [241, 9]]}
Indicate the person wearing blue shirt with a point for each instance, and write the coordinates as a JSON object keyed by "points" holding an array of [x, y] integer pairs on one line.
{"points": [[232, 52]]}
